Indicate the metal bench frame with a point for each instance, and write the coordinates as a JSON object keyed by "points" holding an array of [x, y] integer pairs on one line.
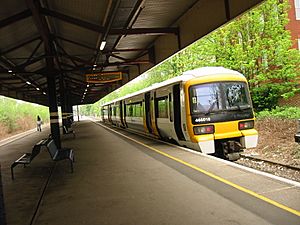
{"points": [[60, 154], [27, 158], [67, 131], [55, 153]]}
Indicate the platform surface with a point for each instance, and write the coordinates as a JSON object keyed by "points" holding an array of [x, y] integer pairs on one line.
{"points": [[121, 178]]}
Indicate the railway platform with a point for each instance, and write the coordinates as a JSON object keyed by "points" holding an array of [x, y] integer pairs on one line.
{"points": [[122, 178]]}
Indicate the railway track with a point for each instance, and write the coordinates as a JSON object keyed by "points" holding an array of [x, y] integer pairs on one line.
{"points": [[269, 166]]}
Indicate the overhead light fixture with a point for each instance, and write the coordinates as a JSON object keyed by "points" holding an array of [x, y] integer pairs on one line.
{"points": [[27, 82], [103, 43], [87, 85], [86, 90], [44, 93], [10, 71], [37, 89], [95, 65]]}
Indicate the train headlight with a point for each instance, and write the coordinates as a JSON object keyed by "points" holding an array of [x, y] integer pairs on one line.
{"points": [[204, 130], [244, 125]]}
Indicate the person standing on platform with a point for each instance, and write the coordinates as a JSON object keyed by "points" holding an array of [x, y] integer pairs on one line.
{"points": [[39, 124]]}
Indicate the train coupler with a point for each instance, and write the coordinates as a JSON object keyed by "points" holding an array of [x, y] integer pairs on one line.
{"points": [[231, 150]]}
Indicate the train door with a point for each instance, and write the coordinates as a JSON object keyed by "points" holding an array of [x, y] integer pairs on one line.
{"points": [[105, 113], [153, 114], [177, 112], [121, 114], [102, 113], [124, 113], [147, 112], [110, 113]]}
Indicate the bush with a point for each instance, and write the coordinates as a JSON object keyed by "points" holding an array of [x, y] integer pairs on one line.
{"points": [[13, 113], [280, 112], [265, 97]]}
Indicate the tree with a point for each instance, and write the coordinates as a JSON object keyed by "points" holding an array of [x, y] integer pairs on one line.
{"points": [[257, 45]]}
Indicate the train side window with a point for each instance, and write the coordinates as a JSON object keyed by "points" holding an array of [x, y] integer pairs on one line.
{"points": [[137, 109], [134, 111], [117, 111], [162, 107], [104, 111], [129, 109], [141, 109]]}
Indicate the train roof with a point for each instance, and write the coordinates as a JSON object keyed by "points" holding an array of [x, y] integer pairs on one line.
{"points": [[206, 71], [190, 74]]}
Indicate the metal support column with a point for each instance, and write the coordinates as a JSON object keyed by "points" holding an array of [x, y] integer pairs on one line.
{"points": [[64, 114], [53, 111], [54, 122], [71, 115], [44, 32]]}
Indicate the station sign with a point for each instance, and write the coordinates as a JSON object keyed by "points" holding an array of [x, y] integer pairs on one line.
{"points": [[103, 77]]}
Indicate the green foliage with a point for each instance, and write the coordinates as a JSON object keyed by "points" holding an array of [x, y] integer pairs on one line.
{"points": [[12, 111], [266, 96], [6, 116], [280, 112], [90, 110]]}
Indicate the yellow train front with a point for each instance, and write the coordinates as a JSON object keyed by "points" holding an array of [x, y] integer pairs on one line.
{"points": [[219, 111], [208, 109]]}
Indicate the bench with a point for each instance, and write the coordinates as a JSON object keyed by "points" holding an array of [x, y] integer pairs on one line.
{"points": [[28, 157], [60, 154], [67, 131]]}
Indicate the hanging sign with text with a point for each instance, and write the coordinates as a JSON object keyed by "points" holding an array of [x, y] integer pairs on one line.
{"points": [[103, 77]]}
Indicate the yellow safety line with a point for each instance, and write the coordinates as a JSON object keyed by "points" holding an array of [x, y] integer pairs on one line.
{"points": [[214, 176]]}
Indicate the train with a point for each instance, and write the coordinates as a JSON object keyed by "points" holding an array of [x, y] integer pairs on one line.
{"points": [[207, 109]]}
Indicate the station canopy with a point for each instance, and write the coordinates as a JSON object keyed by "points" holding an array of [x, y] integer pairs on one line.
{"points": [[93, 47]]}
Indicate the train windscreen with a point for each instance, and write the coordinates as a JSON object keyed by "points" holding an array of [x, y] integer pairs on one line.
{"points": [[220, 96]]}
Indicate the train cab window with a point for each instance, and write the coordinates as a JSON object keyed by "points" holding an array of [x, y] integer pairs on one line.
{"points": [[221, 96], [162, 107], [236, 95]]}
